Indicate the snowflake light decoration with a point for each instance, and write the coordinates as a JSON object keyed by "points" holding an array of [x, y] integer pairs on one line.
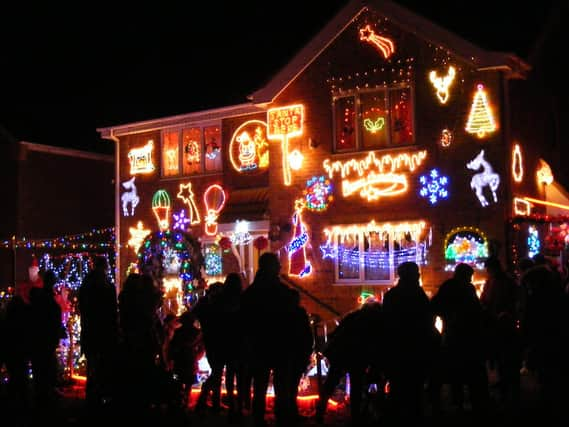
{"points": [[434, 186], [180, 221]]}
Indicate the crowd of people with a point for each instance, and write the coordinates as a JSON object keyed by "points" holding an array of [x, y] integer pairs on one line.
{"points": [[256, 335]]}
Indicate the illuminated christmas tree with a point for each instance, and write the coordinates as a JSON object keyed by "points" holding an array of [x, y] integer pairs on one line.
{"points": [[480, 119]]}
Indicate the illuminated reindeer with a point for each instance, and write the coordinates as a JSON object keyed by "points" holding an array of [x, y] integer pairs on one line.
{"points": [[485, 178], [129, 197]]}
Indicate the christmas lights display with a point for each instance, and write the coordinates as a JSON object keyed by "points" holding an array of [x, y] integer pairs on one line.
{"points": [[318, 193], [187, 195], [383, 44], [465, 245], [433, 186], [141, 159], [241, 235], [137, 236], [172, 255], [213, 266], [129, 197], [191, 150], [295, 159], [214, 200], [556, 239], [486, 178], [521, 207], [296, 248], [534, 245], [517, 165], [180, 220], [442, 84], [480, 120], [161, 207], [544, 174], [446, 138], [170, 153], [249, 148], [284, 123], [375, 177], [96, 239]]}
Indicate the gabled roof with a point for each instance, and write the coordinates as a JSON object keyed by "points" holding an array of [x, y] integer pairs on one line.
{"points": [[408, 21]]}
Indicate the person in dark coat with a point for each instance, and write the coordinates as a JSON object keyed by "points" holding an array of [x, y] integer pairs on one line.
{"points": [[409, 339], [97, 304]]}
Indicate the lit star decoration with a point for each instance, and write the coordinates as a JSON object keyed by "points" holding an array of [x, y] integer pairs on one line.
{"points": [[383, 44], [517, 166], [187, 195], [328, 250], [434, 186], [480, 120], [534, 244], [161, 207], [318, 193], [137, 236], [298, 264], [141, 159], [442, 84], [180, 220]]}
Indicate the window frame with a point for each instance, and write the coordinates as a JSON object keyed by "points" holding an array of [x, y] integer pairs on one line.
{"points": [[357, 95]]}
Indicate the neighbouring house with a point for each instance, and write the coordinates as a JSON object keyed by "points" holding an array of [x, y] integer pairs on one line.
{"points": [[385, 139]]}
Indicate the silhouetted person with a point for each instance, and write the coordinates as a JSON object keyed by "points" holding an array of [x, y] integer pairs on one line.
{"points": [[47, 330], [408, 344], [268, 308], [97, 304], [463, 343]]}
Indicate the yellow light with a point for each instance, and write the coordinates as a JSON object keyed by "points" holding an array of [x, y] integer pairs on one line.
{"points": [[480, 119], [187, 196], [442, 84], [446, 137], [376, 177], [295, 160], [521, 206], [284, 123], [249, 148], [383, 44], [546, 203], [544, 174], [396, 231], [137, 236], [141, 159], [517, 166]]}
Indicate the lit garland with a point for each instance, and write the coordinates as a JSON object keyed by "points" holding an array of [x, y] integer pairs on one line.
{"points": [[517, 165], [141, 159], [465, 245], [433, 186], [129, 197], [318, 193], [480, 119], [485, 178], [442, 84], [96, 239]]}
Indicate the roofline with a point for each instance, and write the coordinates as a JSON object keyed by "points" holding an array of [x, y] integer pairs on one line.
{"points": [[404, 18], [42, 148], [177, 120]]}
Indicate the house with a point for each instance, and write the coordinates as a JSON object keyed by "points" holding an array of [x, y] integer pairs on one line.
{"points": [[385, 139]]}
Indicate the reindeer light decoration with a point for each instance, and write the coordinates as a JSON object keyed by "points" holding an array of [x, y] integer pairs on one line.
{"points": [[482, 179], [129, 197], [442, 84]]}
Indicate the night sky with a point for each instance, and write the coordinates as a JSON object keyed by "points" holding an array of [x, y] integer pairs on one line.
{"points": [[68, 69]]}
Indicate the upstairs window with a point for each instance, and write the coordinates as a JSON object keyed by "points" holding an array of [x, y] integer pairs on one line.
{"points": [[374, 119], [191, 151]]}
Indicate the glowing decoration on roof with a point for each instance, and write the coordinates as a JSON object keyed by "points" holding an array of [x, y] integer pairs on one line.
{"points": [[486, 178], [544, 174], [480, 119], [214, 199], [446, 138], [284, 123], [298, 264], [141, 159], [180, 220], [534, 245], [129, 197], [433, 186], [187, 195], [521, 207], [249, 148], [295, 159], [161, 207], [374, 126], [517, 166], [465, 245], [137, 236], [442, 84], [375, 177], [383, 44], [241, 235], [318, 193]]}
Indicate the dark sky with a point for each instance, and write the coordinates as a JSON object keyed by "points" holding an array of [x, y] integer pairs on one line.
{"points": [[68, 69]]}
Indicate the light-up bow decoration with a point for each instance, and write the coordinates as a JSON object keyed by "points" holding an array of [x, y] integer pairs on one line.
{"points": [[187, 196], [214, 199], [385, 45], [129, 197], [298, 264], [161, 207], [486, 178], [283, 124], [442, 84]]}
